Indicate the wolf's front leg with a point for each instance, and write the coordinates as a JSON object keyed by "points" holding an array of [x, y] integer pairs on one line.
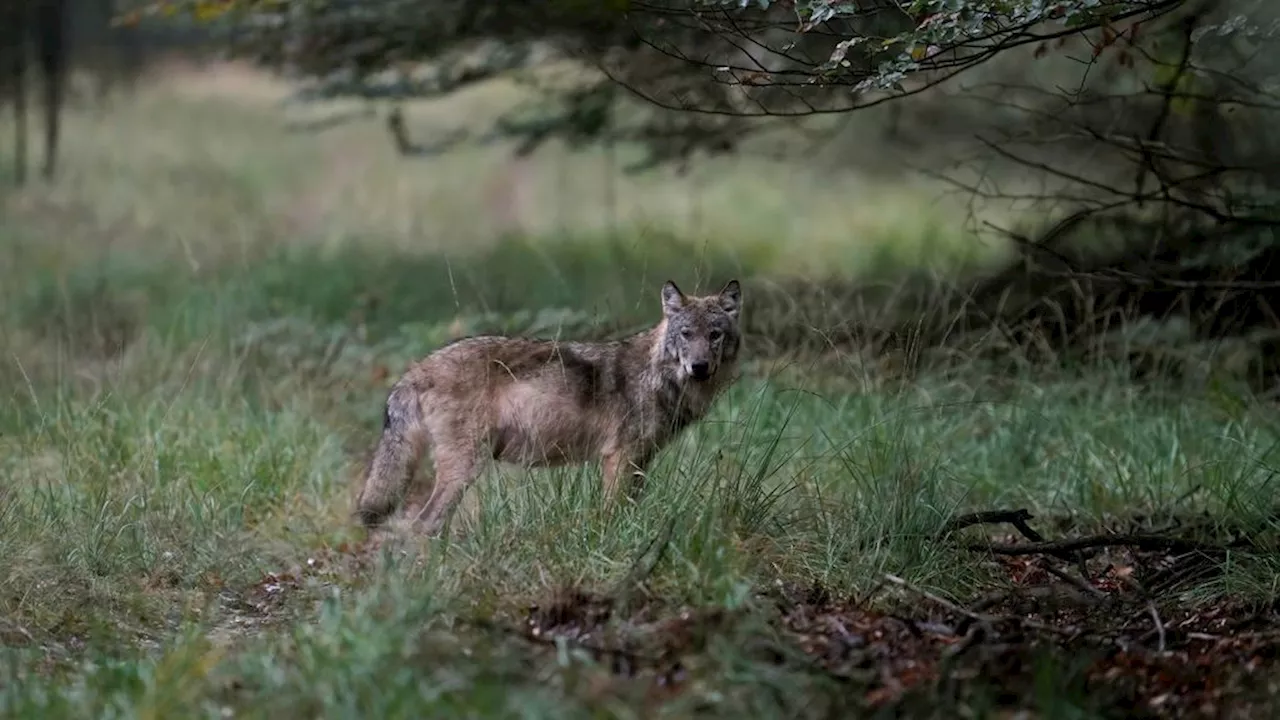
{"points": [[624, 476]]}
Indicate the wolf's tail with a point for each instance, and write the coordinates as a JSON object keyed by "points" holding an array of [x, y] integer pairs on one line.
{"points": [[396, 458]]}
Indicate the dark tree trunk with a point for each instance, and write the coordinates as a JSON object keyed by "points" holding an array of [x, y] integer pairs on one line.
{"points": [[39, 25], [13, 53], [51, 41]]}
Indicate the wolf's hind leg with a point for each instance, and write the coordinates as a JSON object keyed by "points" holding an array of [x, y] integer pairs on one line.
{"points": [[457, 466]]}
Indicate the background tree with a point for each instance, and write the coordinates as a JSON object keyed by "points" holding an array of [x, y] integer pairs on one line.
{"points": [[49, 40], [1140, 122], [33, 30]]}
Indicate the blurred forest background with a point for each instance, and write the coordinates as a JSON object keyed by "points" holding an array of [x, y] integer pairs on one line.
{"points": [[1085, 164], [1019, 256]]}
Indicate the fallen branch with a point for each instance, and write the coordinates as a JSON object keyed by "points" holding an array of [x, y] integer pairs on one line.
{"points": [[969, 617], [1139, 541], [1017, 518]]}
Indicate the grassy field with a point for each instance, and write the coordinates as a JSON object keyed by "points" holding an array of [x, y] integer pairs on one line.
{"points": [[199, 321]]}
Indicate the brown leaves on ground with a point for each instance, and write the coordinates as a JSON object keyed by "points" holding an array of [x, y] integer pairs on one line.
{"points": [[1207, 664], [1110, 627], [1134, 658], [273, 599]]}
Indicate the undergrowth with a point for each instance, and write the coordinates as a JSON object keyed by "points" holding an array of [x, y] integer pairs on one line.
{"points": [[178, 515], [183, 424]]}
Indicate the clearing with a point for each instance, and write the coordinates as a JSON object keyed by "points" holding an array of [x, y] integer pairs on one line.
{"points": [[199, 321]]}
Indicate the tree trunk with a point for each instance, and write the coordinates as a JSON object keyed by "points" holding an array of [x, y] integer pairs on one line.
{"points": [[51, 39]]}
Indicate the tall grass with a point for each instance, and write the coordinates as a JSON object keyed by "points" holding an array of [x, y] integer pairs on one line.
{"points": [[193, 365]]}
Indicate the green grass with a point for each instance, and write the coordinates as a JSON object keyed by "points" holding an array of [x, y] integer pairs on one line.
{"points": [[190, 384]]}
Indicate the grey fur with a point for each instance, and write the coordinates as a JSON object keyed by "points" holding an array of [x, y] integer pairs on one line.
{"points": [[542, 403]]}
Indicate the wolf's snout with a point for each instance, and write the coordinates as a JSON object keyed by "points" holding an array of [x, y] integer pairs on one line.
{"points": [[700, 370]]}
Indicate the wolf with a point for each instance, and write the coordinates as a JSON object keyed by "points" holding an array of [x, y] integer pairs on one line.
{"points": [[546, 403]]}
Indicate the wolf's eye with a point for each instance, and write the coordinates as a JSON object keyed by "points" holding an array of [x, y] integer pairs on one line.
{"points": [[686, 333], [715, 335]]}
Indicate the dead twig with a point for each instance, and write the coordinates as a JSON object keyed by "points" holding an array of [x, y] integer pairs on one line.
{"points": [[620, 660], [1155, 618], [1139, 541], [936, 599], [1075, 581], [986, 622], [1050, 593], [1017, 518], [1185, 569]]}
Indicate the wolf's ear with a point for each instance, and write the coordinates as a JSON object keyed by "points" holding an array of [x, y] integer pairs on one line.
{"points": [[672, 298], [731, 298]]}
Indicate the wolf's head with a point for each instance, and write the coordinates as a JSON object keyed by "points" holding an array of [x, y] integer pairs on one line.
{"points": [[701, 332]]}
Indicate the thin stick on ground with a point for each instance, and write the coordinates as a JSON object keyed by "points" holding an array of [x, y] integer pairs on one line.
{"points": [[1074, 581], [1017, 518], [1139, 541], [935, 598], [982, 621], [1159, 626]]}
